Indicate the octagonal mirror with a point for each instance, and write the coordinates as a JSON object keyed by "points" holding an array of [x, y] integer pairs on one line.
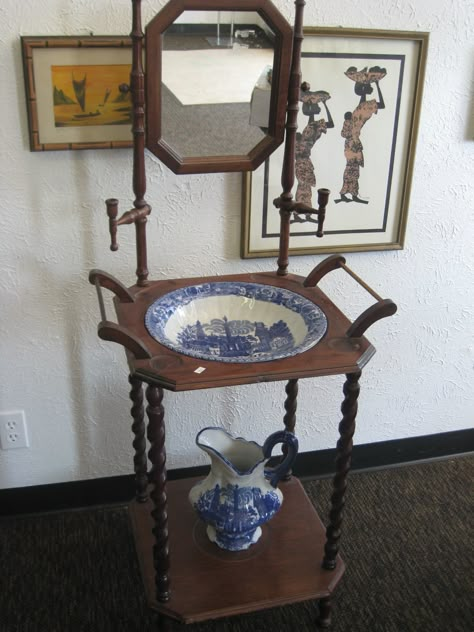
{"points": [[216, 84]]}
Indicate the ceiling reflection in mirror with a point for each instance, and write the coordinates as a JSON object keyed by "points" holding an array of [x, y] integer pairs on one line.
{"points": [[216, 83]]}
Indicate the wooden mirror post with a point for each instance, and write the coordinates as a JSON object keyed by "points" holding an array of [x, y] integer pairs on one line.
{"points": [[285, 202], [138, 215]]}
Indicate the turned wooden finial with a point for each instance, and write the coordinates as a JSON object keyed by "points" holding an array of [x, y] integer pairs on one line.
{"points": [[112, 212], [323, 198]]}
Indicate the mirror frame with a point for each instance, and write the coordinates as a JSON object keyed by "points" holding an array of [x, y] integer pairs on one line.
{"points": [[280, 82]]}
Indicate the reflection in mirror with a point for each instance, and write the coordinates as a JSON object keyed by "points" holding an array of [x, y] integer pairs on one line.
{"points": [[216, 83]]}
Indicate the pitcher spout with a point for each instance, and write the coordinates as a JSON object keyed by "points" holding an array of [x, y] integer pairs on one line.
{"points": [[236, 455]]}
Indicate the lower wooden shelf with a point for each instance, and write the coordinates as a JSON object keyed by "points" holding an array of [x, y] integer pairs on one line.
{"points": [[207, 583]]}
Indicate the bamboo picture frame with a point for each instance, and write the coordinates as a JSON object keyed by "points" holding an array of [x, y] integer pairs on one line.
{"points": [[366, 161], [72, 92]]}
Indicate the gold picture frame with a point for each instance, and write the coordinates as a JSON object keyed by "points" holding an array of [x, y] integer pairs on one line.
{"points": [[353, 73], [72, 92]]}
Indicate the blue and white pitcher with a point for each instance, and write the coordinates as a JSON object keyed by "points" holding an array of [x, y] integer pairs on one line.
{"points": [[239, 495]]}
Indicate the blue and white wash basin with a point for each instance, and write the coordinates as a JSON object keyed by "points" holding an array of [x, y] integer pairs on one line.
{"points": [[234, 321]]}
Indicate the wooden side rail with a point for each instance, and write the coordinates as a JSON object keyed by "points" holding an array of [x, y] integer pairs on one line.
{"points": [[116, 333], [327, 265], [383, 308], [100, 279], [108, 330]]}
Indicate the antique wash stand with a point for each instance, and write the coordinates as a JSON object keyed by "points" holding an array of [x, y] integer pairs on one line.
{"points": [[186, 577]]}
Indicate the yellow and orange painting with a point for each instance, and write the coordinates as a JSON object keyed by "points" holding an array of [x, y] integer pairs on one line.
{"points": [[90, 95]]}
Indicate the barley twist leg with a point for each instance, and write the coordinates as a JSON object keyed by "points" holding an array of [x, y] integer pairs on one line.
{"points": [[289, 419], [139, 442], [323, 621], [343, 464], [157, 456]]}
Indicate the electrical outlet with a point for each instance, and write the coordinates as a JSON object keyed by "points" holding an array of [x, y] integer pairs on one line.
{"points": [[13, 433]]}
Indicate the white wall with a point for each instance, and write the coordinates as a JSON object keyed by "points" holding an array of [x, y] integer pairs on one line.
{"points": [[74, 388]]}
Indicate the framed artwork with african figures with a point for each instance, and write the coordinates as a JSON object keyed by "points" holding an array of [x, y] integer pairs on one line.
{"points": [[360, 104], [77, 91]]}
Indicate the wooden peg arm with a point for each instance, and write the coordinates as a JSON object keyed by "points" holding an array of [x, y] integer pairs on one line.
{"points": [[129, 217], [294, 206]]}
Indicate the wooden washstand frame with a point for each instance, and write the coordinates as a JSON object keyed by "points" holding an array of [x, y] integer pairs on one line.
{"points": [[186, 578]]}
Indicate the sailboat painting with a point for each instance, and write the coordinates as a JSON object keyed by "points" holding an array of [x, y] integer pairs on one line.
{"points": [[86, 95]]}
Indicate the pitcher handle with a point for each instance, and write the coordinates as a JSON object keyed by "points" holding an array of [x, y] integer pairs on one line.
{"points": [[289, 439]]}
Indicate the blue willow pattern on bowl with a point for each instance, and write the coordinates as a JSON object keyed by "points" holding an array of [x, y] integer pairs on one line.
{"points": [[236, 340]]}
